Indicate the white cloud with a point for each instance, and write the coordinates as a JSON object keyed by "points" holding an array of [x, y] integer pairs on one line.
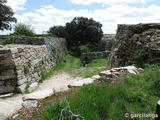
{"points": [[46, 16], [16, 4], [88, 2]]}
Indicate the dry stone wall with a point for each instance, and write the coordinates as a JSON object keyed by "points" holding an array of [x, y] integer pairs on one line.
{"points": [[136, 44], [22, 64]]}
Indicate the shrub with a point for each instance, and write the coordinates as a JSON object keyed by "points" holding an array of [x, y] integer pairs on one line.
{"points": [[22, 29]]}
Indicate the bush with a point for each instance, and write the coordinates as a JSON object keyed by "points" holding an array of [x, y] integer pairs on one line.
{"points": [[22, 29]]}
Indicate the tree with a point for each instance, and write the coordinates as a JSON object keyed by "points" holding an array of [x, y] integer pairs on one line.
{"points": [[83, 31], [22, 29], [6, 16], [82, 34], [59, 31]]}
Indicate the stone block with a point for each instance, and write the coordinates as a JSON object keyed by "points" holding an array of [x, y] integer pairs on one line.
{"points": [[22, 88], [33, 86], [6, 89]]}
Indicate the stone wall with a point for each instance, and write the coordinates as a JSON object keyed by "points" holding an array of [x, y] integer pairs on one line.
{"points": [[88, 57], [22, 64], [133, 39], [8, 77], [57, 45]]}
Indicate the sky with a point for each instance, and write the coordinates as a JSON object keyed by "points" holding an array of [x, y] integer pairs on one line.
{"points": [[43, 14]]}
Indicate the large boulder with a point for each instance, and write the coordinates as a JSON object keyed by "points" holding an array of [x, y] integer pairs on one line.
{"points": [[136, 44]]}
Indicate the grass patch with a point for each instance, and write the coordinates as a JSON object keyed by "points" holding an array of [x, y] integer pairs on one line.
{"points": [[136, 94], [26, 69], [73, 66], [93, 68], [26, 89]]}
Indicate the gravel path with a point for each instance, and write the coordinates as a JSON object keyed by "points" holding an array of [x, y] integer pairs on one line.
{"points": [[58, 82]]}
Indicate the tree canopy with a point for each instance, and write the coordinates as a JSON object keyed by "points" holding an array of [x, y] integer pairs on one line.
{"points": [[80, 33], [6, 16], [58, 31]]}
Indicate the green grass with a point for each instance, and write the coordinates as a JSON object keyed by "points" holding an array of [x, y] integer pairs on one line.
{"points": [[136, 94], [26, 89], [74, 67], [1, 42]]}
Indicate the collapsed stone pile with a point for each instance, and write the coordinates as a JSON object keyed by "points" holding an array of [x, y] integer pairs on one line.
{"points": [[120, 72]]}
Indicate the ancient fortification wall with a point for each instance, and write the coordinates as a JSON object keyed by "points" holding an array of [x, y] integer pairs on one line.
{"points": [[21, 64], [141, 41]]}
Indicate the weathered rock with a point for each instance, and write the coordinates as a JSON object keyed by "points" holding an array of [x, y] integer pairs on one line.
{"points": [[120, 72], [136, 44], [95, 77], [30, 103], [31, 100], [33, 86], [22, 88], [81, 82], [39, 95]]}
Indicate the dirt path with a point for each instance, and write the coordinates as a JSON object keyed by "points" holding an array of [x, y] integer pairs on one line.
{"points": [[57, 82]]}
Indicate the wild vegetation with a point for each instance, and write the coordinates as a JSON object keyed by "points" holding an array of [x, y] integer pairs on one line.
{"points": [[135, 94], [22, 29], [103, 100]]}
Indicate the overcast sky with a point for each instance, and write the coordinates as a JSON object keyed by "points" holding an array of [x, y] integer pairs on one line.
{"points": [[42, 14]]}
